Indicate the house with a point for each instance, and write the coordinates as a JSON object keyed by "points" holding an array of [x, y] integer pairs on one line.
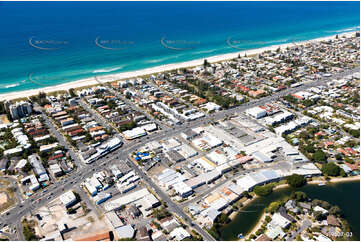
{"points": [[320, 209], [179, 234], [279, 220], [305, 206], [290, 204], [263, 237], [283, 212], [169, 223], [331, 220]]}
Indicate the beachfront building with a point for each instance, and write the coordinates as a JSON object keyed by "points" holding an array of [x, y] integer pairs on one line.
{"points": [[20, 109]]}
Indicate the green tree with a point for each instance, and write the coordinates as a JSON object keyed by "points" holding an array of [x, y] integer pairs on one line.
{"points": [[71, 92], [27, 167], [273, 207], [296, 180], [299, 196], [318, 215], [222, 219], [331, 169], [338, 156], [319, 156], [335, 210], [246, 194], [263, 190], [310, 149], [70, 210], [205, 63]]}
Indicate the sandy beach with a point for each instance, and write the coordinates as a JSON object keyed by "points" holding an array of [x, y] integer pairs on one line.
{"points": [[157, 69]]}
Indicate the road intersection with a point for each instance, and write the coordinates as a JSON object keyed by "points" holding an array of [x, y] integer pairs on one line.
{"points": [[13, 216]]}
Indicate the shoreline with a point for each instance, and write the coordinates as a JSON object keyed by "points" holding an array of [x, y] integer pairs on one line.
{"points": [[158, 69], [313, 182]]}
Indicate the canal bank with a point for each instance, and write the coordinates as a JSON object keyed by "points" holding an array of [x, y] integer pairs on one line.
{"points": [[346, 195]]}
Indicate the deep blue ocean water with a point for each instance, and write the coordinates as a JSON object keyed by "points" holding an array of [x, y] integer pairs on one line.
{"points": [[58, 42]]}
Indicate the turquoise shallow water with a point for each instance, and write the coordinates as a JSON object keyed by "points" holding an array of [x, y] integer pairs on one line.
{"points": [[59, 42]]}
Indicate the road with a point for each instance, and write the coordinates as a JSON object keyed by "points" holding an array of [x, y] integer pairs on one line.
{"points": [[171, 205], [61, 139], [130, 104], [38, 200]]}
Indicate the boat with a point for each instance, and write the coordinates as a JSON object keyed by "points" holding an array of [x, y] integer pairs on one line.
{"points": [[322, 184], [240, 236]]}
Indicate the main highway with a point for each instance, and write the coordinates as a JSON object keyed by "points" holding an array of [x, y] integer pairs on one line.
{"points": [[12, 217]]}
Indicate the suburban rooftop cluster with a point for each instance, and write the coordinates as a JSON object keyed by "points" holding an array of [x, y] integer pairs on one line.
{"points": [[169, 155]]}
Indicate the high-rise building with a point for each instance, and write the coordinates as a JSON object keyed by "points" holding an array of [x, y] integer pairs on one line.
{"points": [[20, 109]]}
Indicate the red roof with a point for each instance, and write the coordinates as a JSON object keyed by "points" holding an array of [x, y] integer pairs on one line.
{"points": [[297, 96], [353, 166], [56, 156], [75, 132]]}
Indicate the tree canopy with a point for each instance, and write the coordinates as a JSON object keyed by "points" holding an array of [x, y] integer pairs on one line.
{"points": [[263, 190], [331, 169], [273, 207], [299, 196], [296, 180], [319, 156]]}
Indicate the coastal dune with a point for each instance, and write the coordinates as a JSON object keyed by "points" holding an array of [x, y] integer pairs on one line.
{"points": [[157, 69]]}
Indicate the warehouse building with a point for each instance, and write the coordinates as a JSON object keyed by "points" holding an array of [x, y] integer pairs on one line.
{"points": [[256, 112], [68, 199]]}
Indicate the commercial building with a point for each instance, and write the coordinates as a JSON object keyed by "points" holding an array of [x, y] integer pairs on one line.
{"points": [[102, 197], [34, 182], [113, 219], [182, 189], [256, 112], [125, 232], [55, 170], [38, 167], [134, 133], [127, 199], [68, 199]]}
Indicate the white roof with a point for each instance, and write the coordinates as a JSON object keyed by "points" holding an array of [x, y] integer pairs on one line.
{"points": [[182, 188], [21, 164], [134, 133], [256, 111], [179, 234], [67, 198], [320, 209], [150, 127], [125, 232], [278, 219], [124, 200]]}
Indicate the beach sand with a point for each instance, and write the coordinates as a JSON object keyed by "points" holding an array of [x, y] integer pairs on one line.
{"points": [[157, 69]]}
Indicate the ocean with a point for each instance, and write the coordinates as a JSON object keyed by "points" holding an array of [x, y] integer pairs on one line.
{"points": [[49, 43]]}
